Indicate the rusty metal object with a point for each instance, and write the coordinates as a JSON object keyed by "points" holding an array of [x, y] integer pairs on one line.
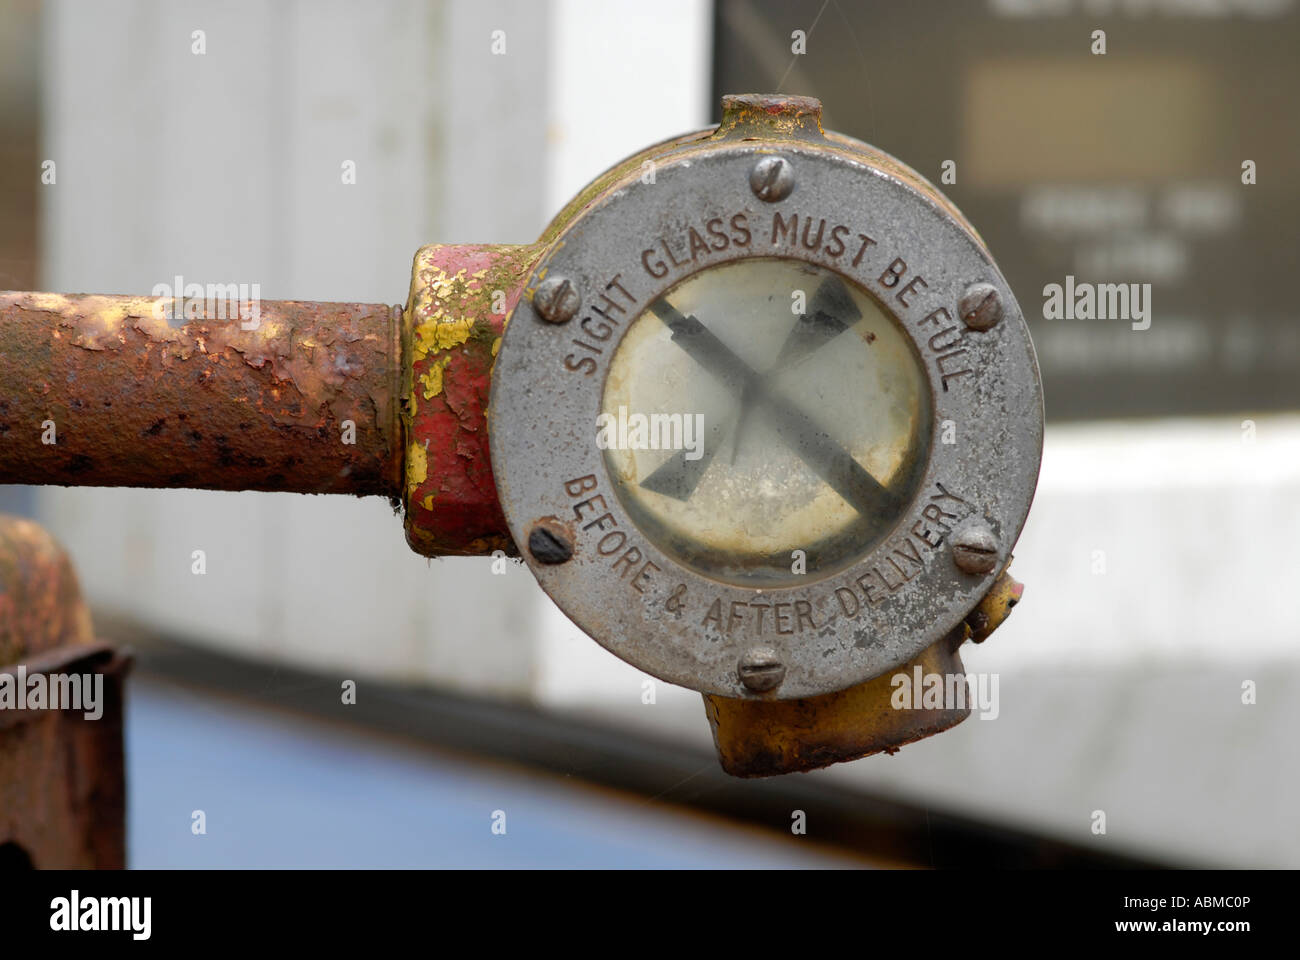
{"points": [[627, 249], [137, 400], [764, 738], [996, 606], [770, 116], [62, 779], [551, 541], [103, 391], [40, 603], [460, 298]]}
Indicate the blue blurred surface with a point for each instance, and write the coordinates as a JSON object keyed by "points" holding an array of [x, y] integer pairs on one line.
{"points": [[281, 790]]}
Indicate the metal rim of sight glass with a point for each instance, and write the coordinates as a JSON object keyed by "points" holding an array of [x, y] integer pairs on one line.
{"points": [[904, 594]]}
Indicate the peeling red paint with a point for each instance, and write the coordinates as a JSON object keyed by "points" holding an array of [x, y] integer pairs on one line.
{"points": [[460, 298]]}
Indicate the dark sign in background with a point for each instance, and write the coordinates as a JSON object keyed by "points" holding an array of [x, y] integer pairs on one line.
{"points": [[1117, 168]]}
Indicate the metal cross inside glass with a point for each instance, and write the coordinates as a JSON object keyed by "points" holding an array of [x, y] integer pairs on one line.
{"points": [[820, 400]]}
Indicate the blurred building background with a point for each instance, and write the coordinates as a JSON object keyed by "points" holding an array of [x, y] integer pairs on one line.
{"points": [[1159, 558]]}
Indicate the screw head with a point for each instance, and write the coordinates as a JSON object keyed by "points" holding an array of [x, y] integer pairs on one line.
{"points": [[556, 299], [760, 669], [772, 179], [549, 542], [980, 306], [975, 548]]}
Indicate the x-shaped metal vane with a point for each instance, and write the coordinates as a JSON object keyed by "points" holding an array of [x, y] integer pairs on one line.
{"points": [[678, 476]]}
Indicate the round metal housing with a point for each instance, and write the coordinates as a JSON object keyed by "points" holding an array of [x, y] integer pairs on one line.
{"points": [[881, 228]]}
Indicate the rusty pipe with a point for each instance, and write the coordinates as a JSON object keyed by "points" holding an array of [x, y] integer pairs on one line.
{"points": [[315, 398], [106, 391]]}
